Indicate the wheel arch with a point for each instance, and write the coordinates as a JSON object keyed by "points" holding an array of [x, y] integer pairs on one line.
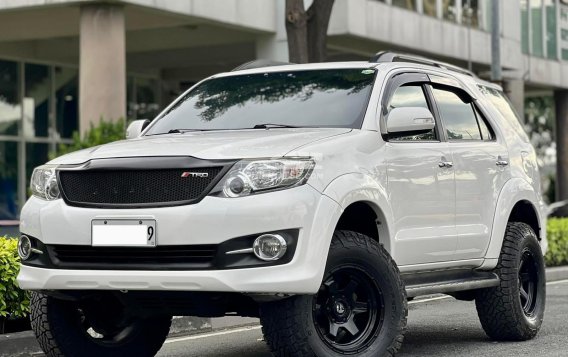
{"points": [[361, 197], [517, 202]]}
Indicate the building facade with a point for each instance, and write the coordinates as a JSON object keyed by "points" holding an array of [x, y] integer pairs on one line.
{"points": [[64, 64]]}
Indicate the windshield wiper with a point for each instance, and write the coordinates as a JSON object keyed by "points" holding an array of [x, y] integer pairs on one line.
{"points": [[270, 125], [177, 131], [181, 131]]}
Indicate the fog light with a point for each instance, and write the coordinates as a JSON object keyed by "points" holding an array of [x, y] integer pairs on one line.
{"points": [[269, 247], [24, 247]]}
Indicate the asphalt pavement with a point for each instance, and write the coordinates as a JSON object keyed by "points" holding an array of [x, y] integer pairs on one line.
{"points": [[439, 326]]}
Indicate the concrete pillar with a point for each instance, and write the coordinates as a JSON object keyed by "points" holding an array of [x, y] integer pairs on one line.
{"points": [[515, 90], [275, 47], [561, 100], [102, 72]]}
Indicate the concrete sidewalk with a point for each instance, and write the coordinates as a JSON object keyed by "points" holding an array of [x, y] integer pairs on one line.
{"points": [[24, 344]]}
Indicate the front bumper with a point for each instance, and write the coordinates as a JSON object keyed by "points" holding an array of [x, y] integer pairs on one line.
{"points": [[212, 221]]}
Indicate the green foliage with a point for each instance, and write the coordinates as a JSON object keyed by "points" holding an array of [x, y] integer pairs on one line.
{"points": [[104, 132], [13, 301], [557, 234]]}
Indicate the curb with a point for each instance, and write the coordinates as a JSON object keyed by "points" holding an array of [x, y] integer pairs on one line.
{"points": [[18, 344], [557, 273], [22, 344]]}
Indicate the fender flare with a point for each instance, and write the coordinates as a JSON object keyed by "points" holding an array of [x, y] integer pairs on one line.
{"points": [[356, 187], [514, 191]]}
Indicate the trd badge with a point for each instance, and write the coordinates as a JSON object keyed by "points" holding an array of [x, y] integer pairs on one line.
{"points": [[195, 174]]}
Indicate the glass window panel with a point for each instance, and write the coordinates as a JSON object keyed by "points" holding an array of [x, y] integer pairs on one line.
{"points": [[525, 26], [485, 14], [471, 13], [430, 8], [505, 108], [537, 34], [449, 10], [458, 117], [66, 101], [8, 180], [564, 30], [147, 102], [10, 109], [407, 4], [37, 91], [551, 41], [411, 96]]}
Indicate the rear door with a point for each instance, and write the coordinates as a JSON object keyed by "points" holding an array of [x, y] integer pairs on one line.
{"points": [[480, 166]]}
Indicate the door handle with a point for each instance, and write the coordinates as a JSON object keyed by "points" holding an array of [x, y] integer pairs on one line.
{"points": [[445, 164], [501, 162]]}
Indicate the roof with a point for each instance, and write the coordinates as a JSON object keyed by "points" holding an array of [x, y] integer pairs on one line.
{"points": [[263, 66]]}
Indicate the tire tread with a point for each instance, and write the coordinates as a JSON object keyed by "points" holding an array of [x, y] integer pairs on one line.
{"points": [[496, 307], [280, 318]]}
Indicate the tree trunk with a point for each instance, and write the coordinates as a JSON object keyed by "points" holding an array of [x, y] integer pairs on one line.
{"points": [[297, 31], [318, 22], [561, 99]]}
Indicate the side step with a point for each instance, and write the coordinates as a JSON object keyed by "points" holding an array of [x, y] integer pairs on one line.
{"points": [[447, 281]]}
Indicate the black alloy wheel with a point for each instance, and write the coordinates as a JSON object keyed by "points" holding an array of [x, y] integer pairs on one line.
{"points": [[514, 310], [348, 310], [528, 282], [360, 308]]}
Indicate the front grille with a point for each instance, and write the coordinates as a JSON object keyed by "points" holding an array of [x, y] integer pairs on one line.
{"points": [[136, 187], [155, 258]]}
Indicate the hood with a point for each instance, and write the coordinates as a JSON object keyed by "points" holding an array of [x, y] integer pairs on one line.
{"points": [[211, 145]]}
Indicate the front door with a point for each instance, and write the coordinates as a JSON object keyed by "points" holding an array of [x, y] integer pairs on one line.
{"points": [[421, 188]]}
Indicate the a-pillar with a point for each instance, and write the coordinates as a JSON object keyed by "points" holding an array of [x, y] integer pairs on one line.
{"points": [[102, 67]]}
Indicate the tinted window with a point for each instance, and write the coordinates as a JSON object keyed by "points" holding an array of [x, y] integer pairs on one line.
{"points": [[502, 104], [458, 116], [411, 96], [319, 98]]}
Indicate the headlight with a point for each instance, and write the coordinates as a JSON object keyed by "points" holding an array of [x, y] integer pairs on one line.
{"points": [[255, 176], [44, 183]]}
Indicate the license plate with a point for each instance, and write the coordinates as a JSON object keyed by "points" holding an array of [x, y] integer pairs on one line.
{"points": [[123, 232]]}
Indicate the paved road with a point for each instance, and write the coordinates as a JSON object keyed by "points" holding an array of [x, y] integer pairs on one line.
{"points": [[441, 327]]}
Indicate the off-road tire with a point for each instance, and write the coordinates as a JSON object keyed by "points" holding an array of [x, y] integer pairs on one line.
{"points": [[289, 325], [500, 309], [58, 335]]}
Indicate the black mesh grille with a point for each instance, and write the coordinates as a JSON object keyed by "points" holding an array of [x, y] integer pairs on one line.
{"points": [[115, 188], [159, 257]]}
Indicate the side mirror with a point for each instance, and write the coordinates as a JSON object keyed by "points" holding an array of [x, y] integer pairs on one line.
{"points": [[136, 127], [410, 121]]}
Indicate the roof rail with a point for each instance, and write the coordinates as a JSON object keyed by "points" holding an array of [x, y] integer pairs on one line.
{"points": [[387, 56], [259, 64]]}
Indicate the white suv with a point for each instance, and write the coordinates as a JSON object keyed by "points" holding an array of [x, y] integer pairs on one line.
{"points": [[318, 197]]}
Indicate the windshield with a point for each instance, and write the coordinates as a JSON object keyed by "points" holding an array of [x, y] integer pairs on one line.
{"points": [[313, 98]]}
